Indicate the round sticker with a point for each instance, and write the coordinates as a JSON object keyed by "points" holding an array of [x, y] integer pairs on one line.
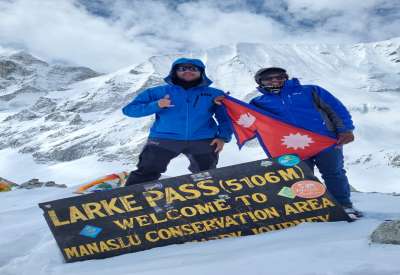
{"points": [[288, 160], [308, 189]]}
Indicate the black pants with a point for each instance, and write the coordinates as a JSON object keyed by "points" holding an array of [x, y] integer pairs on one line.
{"points": [[158, 153]]}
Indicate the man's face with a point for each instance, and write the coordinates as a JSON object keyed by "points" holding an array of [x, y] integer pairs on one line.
{"points": [[273, 80], [187, 72]]}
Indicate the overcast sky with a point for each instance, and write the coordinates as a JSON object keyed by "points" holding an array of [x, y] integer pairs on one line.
{"points": [[107, 35]]}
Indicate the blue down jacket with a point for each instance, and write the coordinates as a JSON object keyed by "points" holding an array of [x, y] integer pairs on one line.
{"points": [[306, 106], [191, 118]]}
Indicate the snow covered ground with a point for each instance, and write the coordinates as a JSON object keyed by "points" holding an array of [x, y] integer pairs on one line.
{"points": [[363, 177], [28, 247]]}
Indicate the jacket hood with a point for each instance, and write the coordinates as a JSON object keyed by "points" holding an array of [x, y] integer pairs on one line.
{"points": [[195, 62]]}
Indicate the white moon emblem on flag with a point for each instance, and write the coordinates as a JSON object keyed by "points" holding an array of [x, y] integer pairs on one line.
{"points": [[246, 120], [297, 141]]}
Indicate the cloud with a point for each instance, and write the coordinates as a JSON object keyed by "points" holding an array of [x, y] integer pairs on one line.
{"points": [[354, 21], [60, 30], [107, 35], [194, 25]]}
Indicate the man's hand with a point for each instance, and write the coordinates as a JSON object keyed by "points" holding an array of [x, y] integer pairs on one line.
{"points": [[165, 102], [218, 99], [219, 144], [344, 138]]}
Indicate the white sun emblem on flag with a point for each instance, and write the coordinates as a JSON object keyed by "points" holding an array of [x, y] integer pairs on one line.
{"points": [[246, 120], [297, 141]]}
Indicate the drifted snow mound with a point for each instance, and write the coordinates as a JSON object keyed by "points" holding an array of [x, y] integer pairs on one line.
{"points": [[27, 246]]}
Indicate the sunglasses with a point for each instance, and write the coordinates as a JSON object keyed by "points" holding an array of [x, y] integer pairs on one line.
{"points": [[272, 77], [187, 68]]}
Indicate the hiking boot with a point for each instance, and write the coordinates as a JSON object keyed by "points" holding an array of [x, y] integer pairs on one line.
{"points": [[353, 213]]}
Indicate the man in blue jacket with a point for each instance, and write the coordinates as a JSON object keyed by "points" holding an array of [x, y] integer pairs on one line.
{"points": [[315, 109], [184, 112]]}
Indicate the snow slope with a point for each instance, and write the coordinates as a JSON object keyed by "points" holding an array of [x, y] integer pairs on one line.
{"points": [[27, 246]]}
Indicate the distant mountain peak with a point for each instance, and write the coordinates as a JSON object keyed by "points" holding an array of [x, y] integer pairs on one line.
{"points": [[62, 113]]}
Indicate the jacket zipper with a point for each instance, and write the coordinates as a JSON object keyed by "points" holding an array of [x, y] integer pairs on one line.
{"points": [[187, 116], [286, 108], [195, 101]]}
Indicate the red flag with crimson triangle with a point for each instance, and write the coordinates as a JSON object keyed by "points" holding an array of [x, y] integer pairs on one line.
{"points": [[276, 137]]}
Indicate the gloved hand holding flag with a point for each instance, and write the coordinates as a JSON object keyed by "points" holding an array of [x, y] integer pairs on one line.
{"points": [[275, 136]]}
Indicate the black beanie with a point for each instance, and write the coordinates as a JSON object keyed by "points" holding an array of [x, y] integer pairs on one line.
{"points": [[268, 71]]}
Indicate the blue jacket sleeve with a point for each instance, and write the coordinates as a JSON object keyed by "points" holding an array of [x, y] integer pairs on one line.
{"points": [[143, 105], [224, 124], [335, 109]]}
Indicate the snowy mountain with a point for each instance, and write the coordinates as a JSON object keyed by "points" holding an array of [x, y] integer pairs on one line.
{"points": [[57, 118], [24, 76]]}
